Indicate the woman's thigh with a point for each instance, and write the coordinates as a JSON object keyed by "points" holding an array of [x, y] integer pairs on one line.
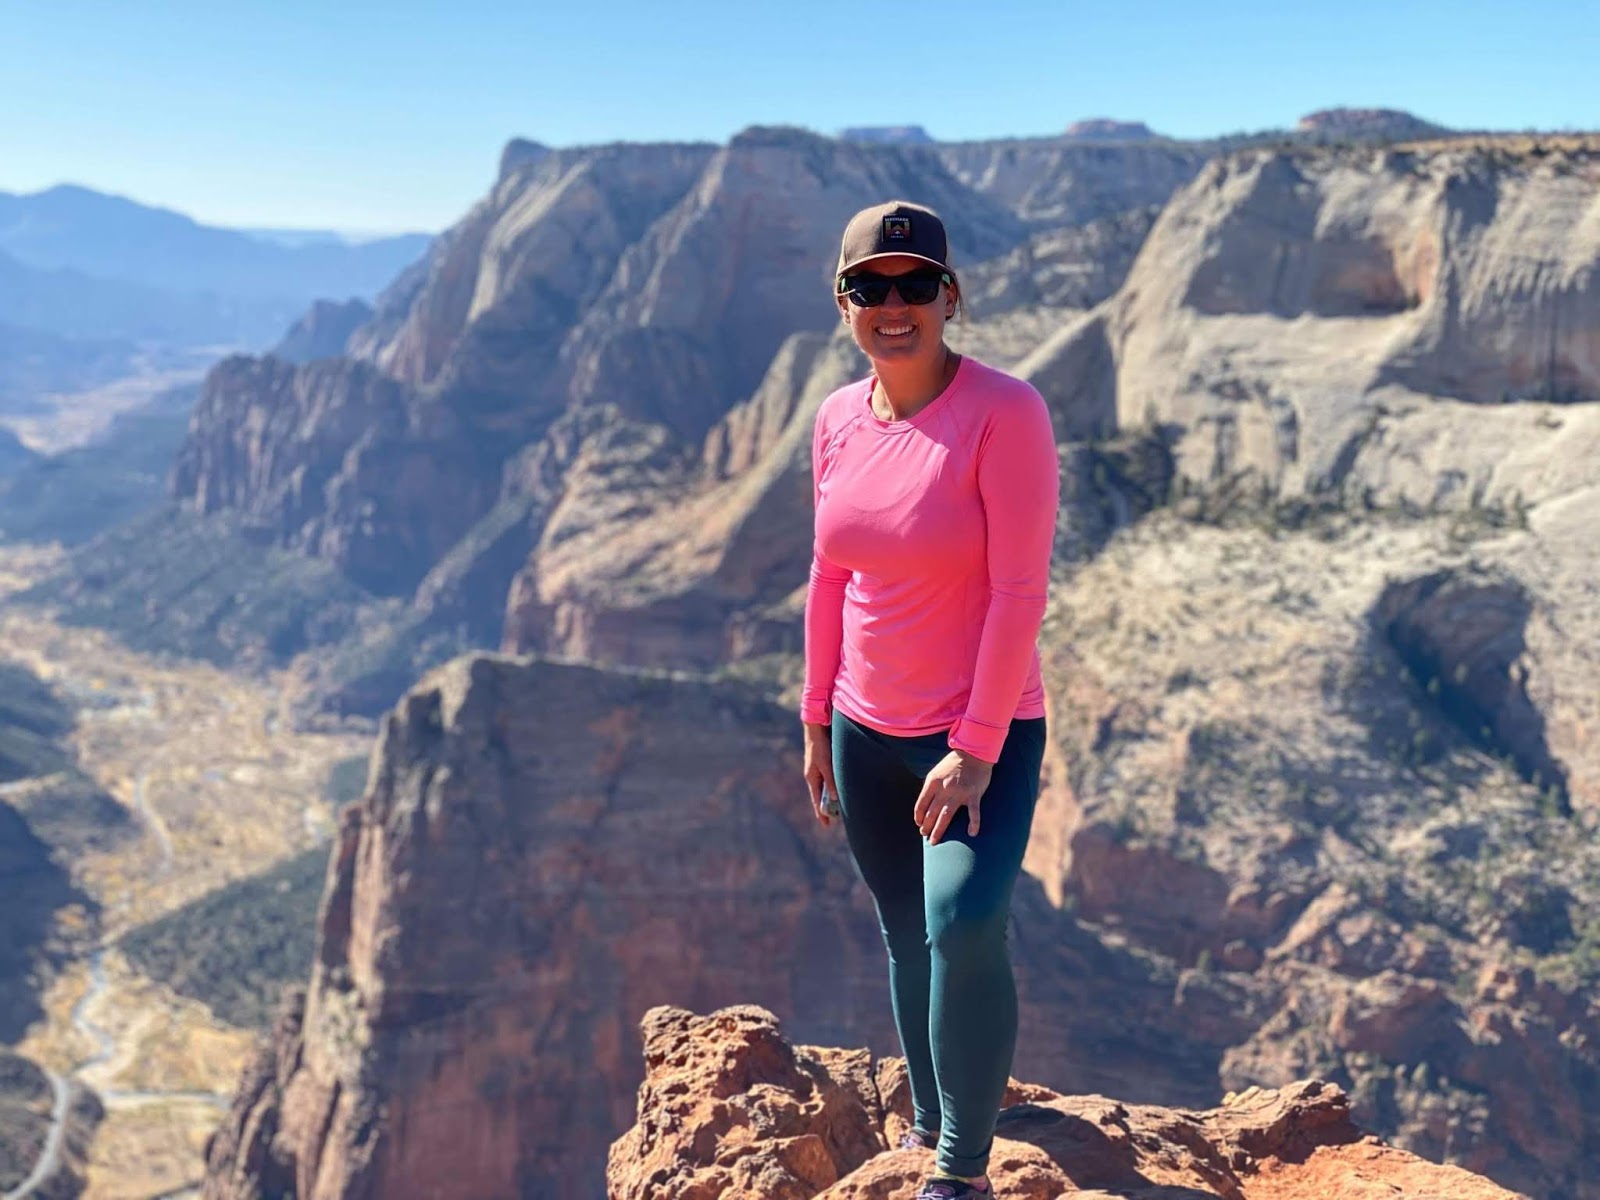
{"points": [[970, 879], [878, 793]]}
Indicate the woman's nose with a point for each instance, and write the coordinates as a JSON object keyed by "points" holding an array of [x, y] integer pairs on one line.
{"points": [[894, 301]]}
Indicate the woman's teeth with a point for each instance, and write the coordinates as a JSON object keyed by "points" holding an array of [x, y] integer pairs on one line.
{"points": [[895, 330]]}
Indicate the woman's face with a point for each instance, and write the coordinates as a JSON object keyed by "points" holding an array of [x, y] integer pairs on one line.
{"points": [[894, 331]]}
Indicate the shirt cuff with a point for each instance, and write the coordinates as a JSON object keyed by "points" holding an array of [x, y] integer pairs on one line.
{"points": [[979, 740], [816, 712]]}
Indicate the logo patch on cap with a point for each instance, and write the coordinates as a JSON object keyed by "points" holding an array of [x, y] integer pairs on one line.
{"points": [[897, 229]]}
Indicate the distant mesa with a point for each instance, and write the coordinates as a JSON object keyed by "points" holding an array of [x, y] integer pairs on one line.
{"points": [[324, 331], [1363, 123], [1104, 129], [519, 153], [887, 135], [112, 238]]}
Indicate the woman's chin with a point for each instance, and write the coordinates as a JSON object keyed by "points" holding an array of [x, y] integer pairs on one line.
{"points": [[897, 348]]}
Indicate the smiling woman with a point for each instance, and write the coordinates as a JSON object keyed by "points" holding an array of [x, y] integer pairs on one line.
{"points": [[936, 489]]}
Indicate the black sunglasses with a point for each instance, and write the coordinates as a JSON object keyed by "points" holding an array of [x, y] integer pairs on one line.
{"points": [[868, 289]]}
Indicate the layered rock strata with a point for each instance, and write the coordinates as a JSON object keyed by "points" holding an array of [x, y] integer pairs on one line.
{"points": [[582, 348], [1395, 326], [544, 853]]}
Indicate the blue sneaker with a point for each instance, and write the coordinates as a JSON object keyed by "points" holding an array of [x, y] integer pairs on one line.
{"points": [[953, 1189], [917, 1139]]}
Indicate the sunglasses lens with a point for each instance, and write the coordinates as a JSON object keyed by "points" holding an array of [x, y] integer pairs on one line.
{"points": [[867, 289], [919, 287]]}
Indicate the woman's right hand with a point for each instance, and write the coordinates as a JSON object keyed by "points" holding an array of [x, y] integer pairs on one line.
{"points": [[819, 770]]}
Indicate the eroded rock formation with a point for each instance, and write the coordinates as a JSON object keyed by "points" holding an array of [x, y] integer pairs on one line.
{"points": [[544, 853], [609, 335], [731, 1110]]}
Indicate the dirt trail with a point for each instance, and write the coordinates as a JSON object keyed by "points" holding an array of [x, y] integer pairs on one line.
{"points": [[50, 1157], [219, 785]]}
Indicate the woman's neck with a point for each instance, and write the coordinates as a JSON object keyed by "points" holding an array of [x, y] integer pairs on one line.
{"points": [[905, 389]]}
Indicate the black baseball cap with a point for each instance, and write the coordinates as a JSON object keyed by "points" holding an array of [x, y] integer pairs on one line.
{"points": [[896, 228]]}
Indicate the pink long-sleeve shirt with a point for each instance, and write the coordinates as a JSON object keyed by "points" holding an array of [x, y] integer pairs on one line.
{"points": [[932, 559]]}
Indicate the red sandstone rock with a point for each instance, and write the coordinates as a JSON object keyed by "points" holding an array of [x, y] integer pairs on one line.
{"points": [[730, 1111]]}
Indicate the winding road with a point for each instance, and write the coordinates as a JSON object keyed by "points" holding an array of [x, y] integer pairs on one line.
{"points": [[157, 827], [105, 1045], [50, 1156]]}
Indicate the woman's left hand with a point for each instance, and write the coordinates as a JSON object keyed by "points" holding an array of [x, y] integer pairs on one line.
{"points": [[958, 779]]}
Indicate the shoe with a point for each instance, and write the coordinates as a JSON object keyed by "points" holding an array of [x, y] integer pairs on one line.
{"points": [[953, 1189], [916, 1139]]}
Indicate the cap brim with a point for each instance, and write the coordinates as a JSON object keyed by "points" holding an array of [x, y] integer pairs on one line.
{"points": [[861, 262]]}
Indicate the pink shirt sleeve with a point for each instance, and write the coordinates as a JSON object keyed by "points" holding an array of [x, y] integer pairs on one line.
{"points": [[1019, 482], [824, 624]]}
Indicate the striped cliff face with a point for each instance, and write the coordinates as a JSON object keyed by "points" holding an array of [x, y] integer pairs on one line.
{"points": [[544, 853], [602, 337]]}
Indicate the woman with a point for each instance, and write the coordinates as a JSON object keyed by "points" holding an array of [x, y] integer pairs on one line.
{"points": [[936, 489]]}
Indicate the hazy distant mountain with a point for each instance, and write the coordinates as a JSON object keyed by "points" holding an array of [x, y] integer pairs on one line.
{"points": [[72, 304], [111, 237], [1382, 124], [1104, 129], [313, 237], [890, 135], [71, 496]]}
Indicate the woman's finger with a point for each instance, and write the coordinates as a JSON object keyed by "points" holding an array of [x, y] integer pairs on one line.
{"points": [[972, 814], [815, 783], [941, 823]]}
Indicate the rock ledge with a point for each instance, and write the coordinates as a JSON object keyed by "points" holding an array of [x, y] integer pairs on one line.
{"points": [[730, 1110]]}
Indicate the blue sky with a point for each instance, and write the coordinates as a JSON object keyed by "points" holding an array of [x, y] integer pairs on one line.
{"points": [[364, 116]]}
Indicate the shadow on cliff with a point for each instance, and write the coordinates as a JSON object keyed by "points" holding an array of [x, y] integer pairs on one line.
{"points": [[52, 814], [36, 889], [1099, 1018], [1461, 646], [1088, 1157]]}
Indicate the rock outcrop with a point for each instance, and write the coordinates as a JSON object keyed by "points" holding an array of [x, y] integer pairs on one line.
{"points": [[324, 331], [898, 135], [1340, 764], [1054, 182], [1367, 124], [543, 854], [546, 852], [1106, 129], [1405, 327], [577, 352], [1327, 725], [731, 1110]]}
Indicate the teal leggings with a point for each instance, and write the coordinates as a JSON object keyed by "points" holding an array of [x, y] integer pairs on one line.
{"points": [[943, 910]]}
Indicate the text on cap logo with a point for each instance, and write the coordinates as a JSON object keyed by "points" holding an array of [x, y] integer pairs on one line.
{"points": [[897, 229]]}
